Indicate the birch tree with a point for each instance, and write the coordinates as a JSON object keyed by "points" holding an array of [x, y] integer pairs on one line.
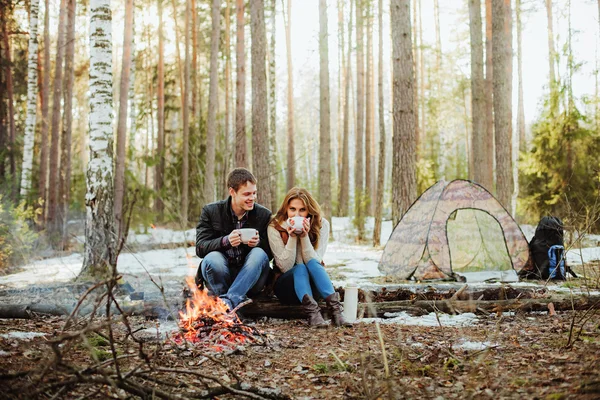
{"points": [[32, 92], [324, 115], [211, 126], [241, 152], [404, 177], [260, 128], [100, 257], [477, 94]]}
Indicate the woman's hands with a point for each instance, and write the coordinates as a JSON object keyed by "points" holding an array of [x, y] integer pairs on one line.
{"points": [[291, 230]]}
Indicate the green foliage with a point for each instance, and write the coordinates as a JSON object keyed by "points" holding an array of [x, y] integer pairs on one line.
{"points": [[17, 239], [559, 175], [425, 174]]}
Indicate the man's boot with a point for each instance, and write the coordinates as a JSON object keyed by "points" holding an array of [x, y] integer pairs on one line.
{"points": [[313, 311], [335, 309]]}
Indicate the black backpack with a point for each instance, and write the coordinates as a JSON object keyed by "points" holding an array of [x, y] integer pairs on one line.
{"points": [[547, 249]]}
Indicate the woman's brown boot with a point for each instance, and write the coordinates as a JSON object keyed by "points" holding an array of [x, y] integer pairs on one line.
{"points": [[335, 309], [313, 311]]}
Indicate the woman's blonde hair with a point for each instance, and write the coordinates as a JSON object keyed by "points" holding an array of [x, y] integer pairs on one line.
{"points": [[313, 208]]}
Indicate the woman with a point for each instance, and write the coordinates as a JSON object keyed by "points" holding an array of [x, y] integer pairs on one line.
{"points": [[298, 246]]}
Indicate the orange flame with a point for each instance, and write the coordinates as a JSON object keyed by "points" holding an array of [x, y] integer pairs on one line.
{"points": [[205, 319]]}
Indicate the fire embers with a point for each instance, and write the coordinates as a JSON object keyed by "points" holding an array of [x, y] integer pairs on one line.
{"points": [[206, 321]]}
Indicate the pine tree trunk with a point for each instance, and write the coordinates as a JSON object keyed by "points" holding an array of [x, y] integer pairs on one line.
{"points": [[382, 138], [227, 156], [359, 209], [416, 61], [241, 152], [488, 173], [274, 159], [421, 83], [337, 168], [291, 155], [521, 106], [131, 150], [67, 125], [211, 126], [194, 69], [502, 60], [45, 98], [370, 181], [324, 115], [52, 216], [345, 169], [478, 142], [10, 100], [404, 190], [100, 257], [32, 92], [178, 52], [122, 122], [260, 128], [552, 59], [160, 117]]}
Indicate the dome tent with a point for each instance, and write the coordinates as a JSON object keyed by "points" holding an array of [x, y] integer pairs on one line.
{"points": [[455, 228]]}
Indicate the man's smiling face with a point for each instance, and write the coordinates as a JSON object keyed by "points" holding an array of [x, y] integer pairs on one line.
{"points": [[243, 199]]}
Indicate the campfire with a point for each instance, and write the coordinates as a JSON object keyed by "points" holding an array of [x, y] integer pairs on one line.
{"points": [[206, 321]]}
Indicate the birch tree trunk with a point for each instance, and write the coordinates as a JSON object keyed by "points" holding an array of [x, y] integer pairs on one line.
{"points": [[185, 183], [160, 116], [502, 58], [345, 169], [478, 142], [521, 106], [122, 122], [404, 190], [382, 139], [45, 90], [291, 155], [131, 148], [52, 216], [100, 257], [32, 92], [211, 126], [260, 127], [241, 152], [274, 159], [324, 115], [67, 125], [360, 123]]}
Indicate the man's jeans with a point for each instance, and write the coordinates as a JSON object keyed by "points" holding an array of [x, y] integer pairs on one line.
{"points": [[231, 283]]}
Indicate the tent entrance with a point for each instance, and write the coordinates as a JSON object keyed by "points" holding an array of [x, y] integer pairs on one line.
{"points": [[476, 242]]}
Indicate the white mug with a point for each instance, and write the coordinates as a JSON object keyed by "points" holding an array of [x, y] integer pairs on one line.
{"points": [[247, 234], [298, 222]]}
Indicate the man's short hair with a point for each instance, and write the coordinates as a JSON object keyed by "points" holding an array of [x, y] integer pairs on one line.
{"points": [[238, 177]]}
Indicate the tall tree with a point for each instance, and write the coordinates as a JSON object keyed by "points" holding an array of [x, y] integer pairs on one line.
{"points": [[370, 187], [273, 160], [382, 139], [488, 173], [9, 94], [502, 61], [260, 127], [100, 257], [241, 153], [67, 124], [552, 59], [324, 115], [52, 216], [122, 122], [421, 83], [345, 168], [521, 106], [211, 126], [360, 122], [160, 115], [416, 61], [227, 157], [477, 94], [32, 92], [291, 155], [44, 100], [404, 175], [185, 183]]}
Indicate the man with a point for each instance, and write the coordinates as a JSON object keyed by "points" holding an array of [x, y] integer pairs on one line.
{"points": [[231, 269]]}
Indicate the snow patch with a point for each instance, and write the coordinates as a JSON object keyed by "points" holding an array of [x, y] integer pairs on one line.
{"points": [[403, 318], [470, 345], [21, 335]]}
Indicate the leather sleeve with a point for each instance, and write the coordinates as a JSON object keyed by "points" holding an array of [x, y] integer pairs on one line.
{"points": [[207, 239]]}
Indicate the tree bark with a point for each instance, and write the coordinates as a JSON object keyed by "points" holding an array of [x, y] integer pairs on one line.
{"points": [[44, 131], [404, 144], [291, 155], [32, 92], [552, 59], [382, 138], [416, 61], [211, 125], [521, 106], [502, 61], [421, 84], [345, 169], [359, 209], [52, 216], [227, 156], [131, 150], [260, 128], [160, 116], [369, 128], [478, 141], [100, 257], [185, 183], [67, 125], [241, 152], [488, 169], [122, 122], [324, 115], [9, 98], [274, 159]]}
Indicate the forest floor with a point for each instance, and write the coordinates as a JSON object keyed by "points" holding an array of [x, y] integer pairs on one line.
{"points": [[498, 356]]}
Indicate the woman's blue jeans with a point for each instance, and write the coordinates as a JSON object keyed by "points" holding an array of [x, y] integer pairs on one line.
{"points": [[303, 279], [233, 284]]}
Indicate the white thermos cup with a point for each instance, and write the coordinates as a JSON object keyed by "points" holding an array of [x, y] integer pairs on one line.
{"points": [[350, 302]]}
